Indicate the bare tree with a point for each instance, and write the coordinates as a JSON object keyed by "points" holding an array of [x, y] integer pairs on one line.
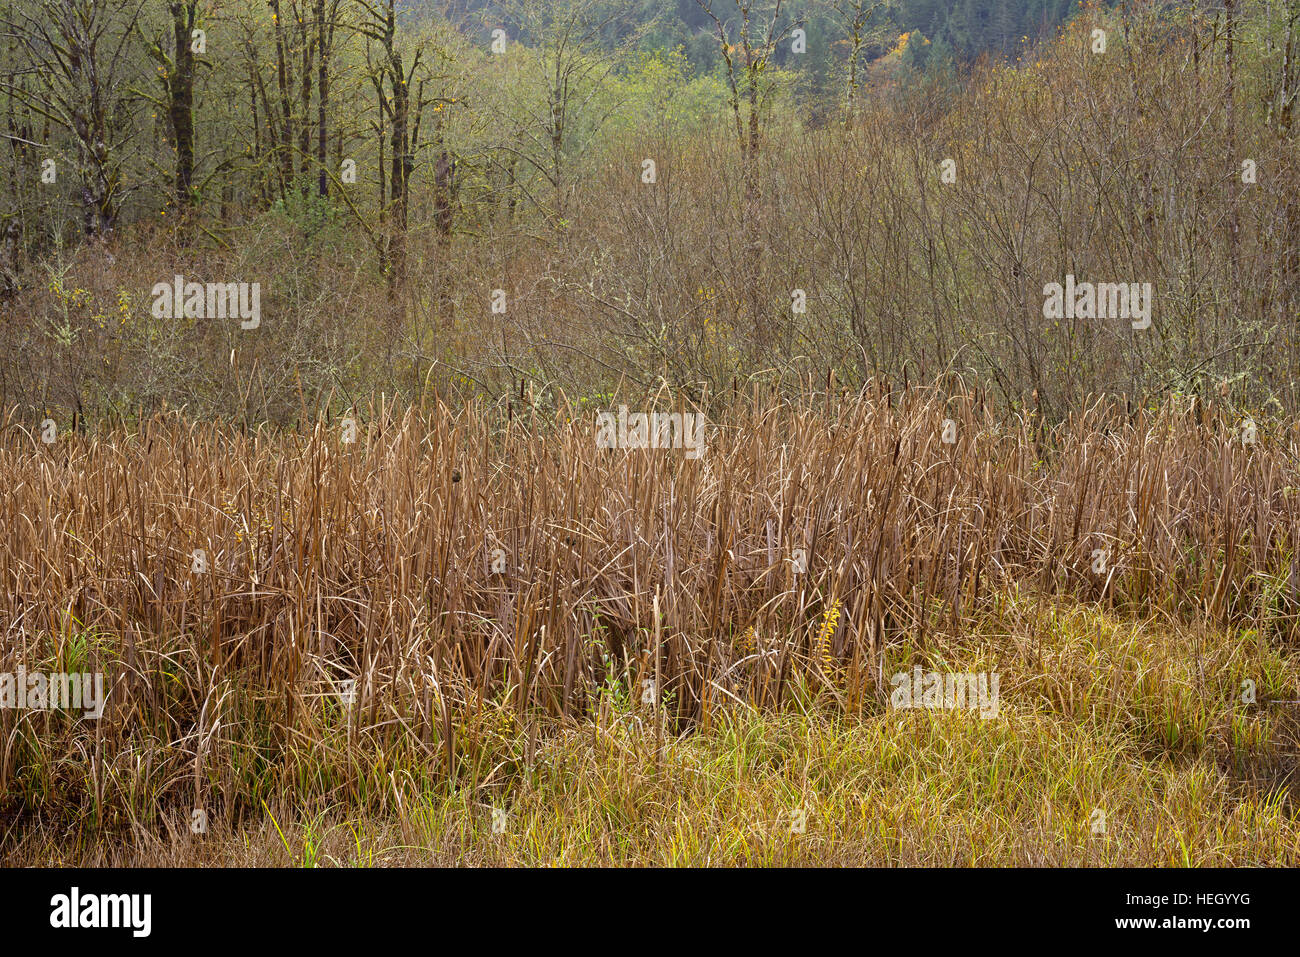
{"points": [[84, 55], [327, 12], [855, 17], [758, 30], [391, 77], [177, 68], [564, 42], [746, 61]]}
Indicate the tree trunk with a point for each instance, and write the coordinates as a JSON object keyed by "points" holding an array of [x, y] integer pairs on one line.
{"points": [[324, 39], [180, 105]]}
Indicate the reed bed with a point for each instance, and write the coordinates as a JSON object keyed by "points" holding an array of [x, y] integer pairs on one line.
{"points": [[375, 610]]}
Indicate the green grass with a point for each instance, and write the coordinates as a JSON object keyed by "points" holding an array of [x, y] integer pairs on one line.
{"points": [[1113, 746]]}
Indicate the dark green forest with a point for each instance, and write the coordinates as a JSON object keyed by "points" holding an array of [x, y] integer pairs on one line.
{"points": [[960, 31]]}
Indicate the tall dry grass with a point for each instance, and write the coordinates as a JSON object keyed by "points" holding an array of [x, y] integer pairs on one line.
{"points": [[372, 562]]}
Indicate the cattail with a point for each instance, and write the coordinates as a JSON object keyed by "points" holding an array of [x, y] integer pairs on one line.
{"points": [[830, 621]]}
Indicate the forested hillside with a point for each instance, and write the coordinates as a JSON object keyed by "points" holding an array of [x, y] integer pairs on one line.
{"points": [[964, 28]]}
